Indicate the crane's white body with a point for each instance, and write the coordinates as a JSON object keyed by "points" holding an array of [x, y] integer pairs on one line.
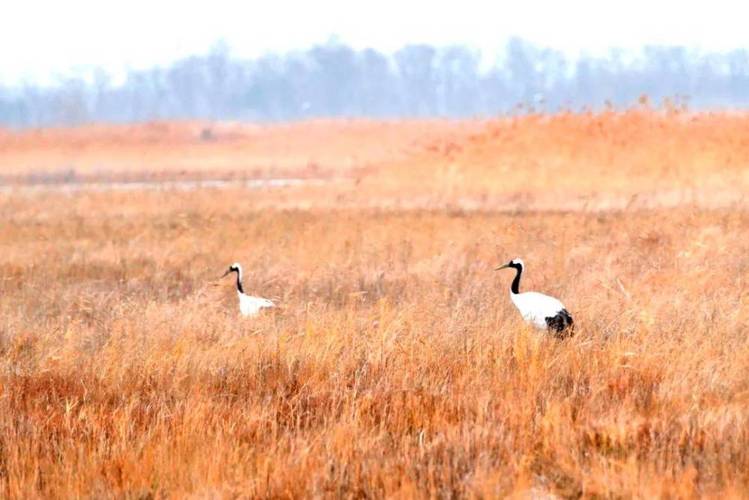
{"points": [[540, 310], [535, 307], [248, 305]]}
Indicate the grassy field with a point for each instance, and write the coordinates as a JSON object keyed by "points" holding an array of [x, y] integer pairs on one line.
{"points": [[395, 364]]}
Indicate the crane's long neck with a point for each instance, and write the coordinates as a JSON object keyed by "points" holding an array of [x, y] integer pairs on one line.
{"points": [[515, 287], [239, 282]]}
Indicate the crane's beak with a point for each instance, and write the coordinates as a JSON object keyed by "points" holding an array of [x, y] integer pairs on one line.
{"points": [[227, 272], [502, 267]]}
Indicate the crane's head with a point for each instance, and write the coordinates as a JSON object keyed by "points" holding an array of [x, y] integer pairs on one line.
{"points": [[514, 263], [234, 268]]}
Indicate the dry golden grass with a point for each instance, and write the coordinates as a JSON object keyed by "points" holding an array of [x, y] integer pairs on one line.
{"points": [[395, 366], [321, 148], [567, 161]]}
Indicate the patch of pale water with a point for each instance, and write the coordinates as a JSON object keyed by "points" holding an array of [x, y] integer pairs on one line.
{"points": [[179, 185], [735, 199]]}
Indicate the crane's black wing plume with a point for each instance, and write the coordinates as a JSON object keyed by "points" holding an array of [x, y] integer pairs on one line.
{"points": [[561, 324]]}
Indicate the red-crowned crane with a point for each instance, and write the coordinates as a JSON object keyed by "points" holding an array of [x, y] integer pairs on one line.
{"points": [[248, 305], [542, 311]]}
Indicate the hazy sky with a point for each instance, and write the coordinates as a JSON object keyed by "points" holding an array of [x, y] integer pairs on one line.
{"points": [[40, 40]]}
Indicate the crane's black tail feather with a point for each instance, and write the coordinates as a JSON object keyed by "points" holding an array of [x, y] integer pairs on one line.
{"points": [[561, 324]]}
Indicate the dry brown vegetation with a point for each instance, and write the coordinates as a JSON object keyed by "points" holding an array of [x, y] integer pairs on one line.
{"points": [[164, 150], [396, 365]]}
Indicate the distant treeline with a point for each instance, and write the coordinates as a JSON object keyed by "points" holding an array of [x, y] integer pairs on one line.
{"points": [[333, 80]]}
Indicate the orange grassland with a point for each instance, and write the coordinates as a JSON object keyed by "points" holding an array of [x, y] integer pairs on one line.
{"points": [[395, 364]]}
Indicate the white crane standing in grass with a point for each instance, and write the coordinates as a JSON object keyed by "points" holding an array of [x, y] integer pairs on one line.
{"points": [[248, 305], [542, 311]]}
